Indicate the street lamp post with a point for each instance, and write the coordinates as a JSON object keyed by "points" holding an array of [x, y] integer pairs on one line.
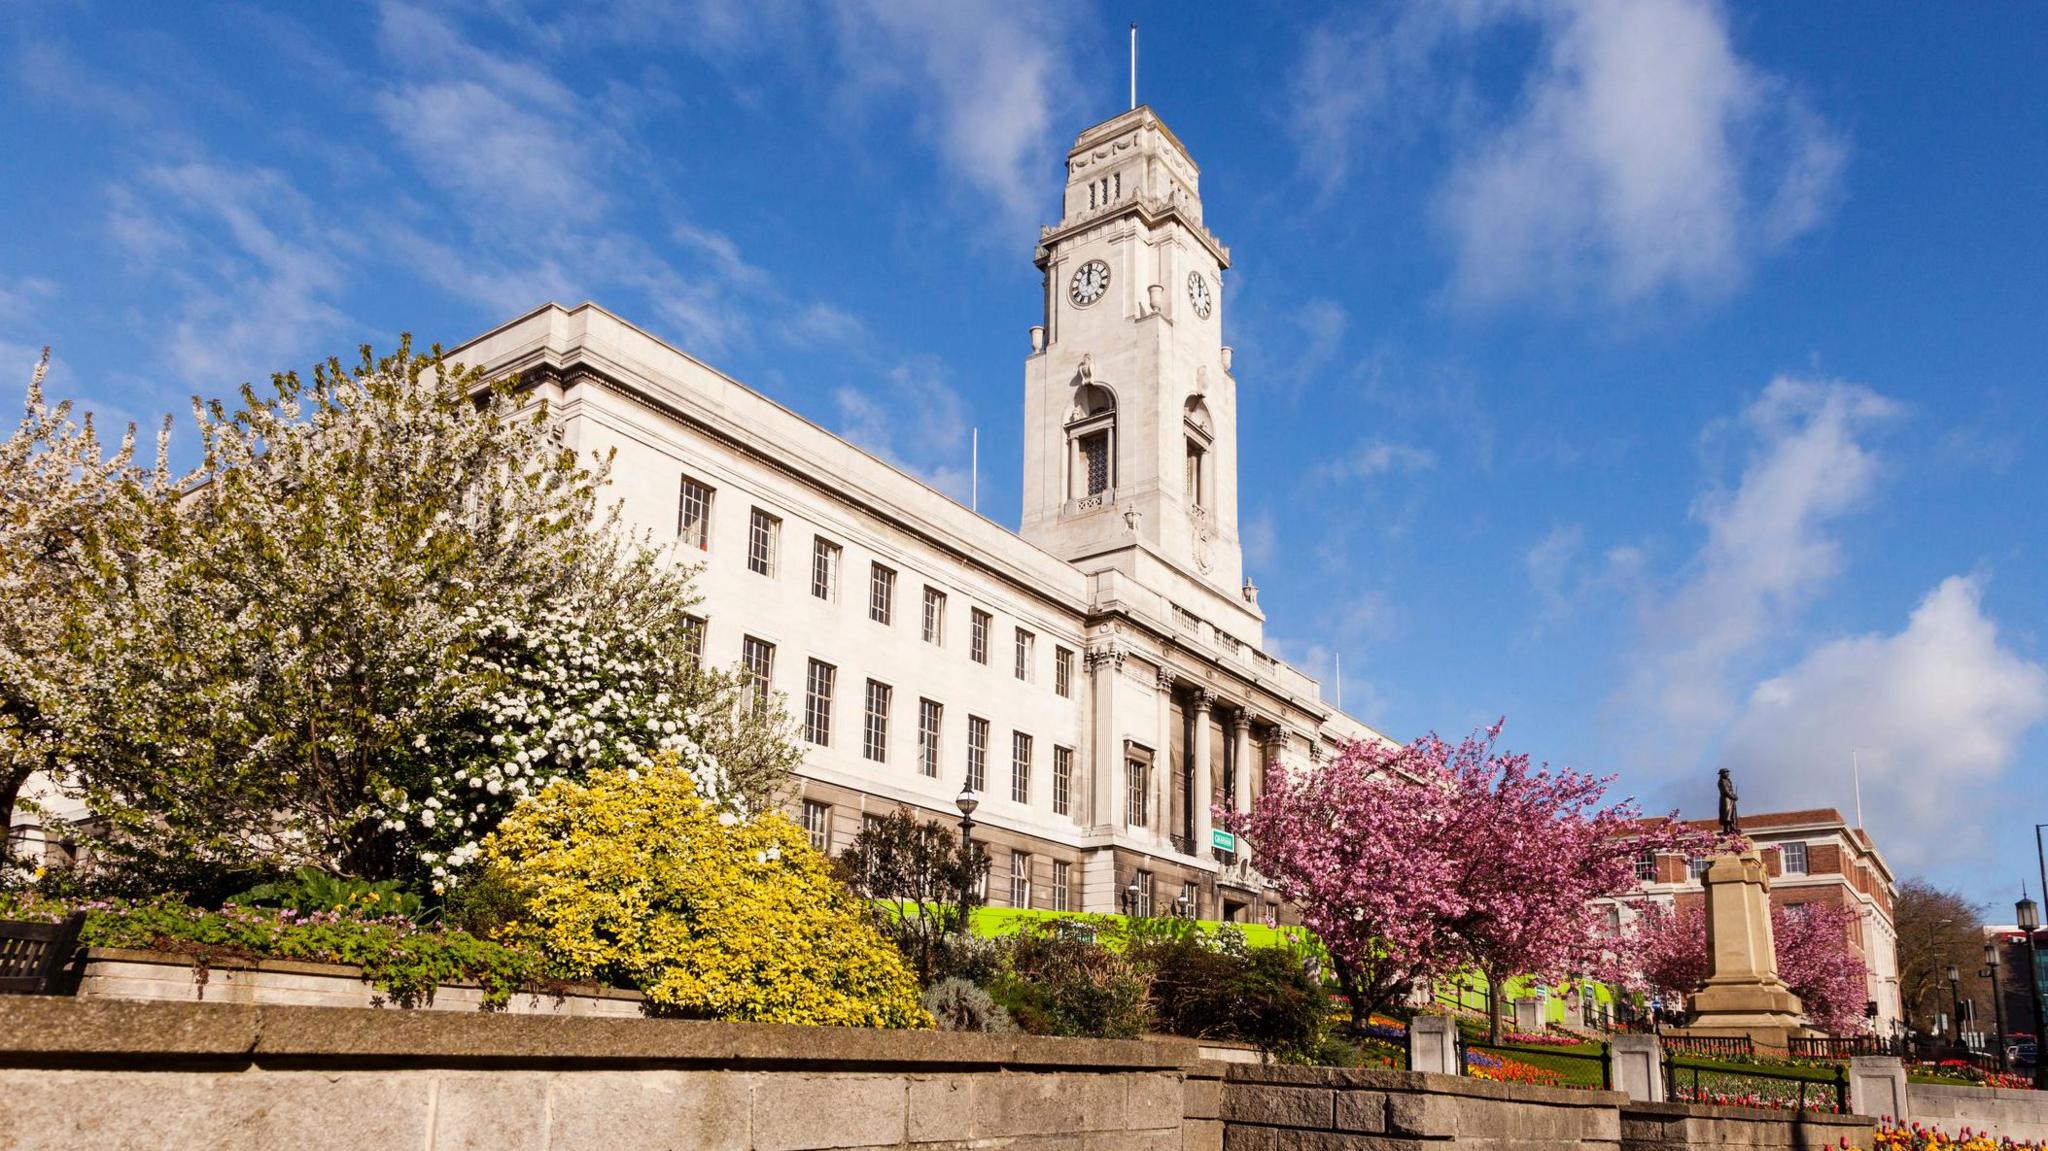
{"points": [[1997, 1002], [2030, 922], [968, 800], [1955, 999]]}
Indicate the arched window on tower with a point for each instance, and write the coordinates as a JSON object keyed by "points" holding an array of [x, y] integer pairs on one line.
{"points": [[1201, 433], [1091, 447]]}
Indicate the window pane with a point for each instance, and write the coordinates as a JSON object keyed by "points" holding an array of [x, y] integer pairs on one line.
{"points": [[763, 531], [1020, 767], [977, 753], [875, 742], [977, 635], [1020, 879], [1062, 779], [1063, 671], [1060, 894], [825, 569], [817, 825], [693, 517], [1027, 649], [1134, 793], [1095, 457], [758, 656], [929, 713], [818, 703], [881, 593], [693, 638], [934, 616]]}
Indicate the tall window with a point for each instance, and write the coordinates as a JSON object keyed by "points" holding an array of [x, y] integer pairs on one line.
{"points": [[1135, 771], [1194, 476], [977, 634], [1697, 866], [693, 638], [818, 825], [824, 569], [1794, 857], [1144, 882], [818, 703], [929, 713], [1020, 767], [977, 753], [934, 616], [1646, 866], [881, 593], [1063, 672], [1095, 463], [1062, 780], [1060, 896], [693, 516], [758, 657], [1020, 879], [764, 537], [1027, 655], [875, 739]]}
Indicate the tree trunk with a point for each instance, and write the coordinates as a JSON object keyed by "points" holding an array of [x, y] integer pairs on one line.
{"points": [[1354, 995], [1495, 988], [10, 790]]}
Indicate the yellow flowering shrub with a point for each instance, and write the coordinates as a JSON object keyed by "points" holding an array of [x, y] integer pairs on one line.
{"points": [[632, 878]]}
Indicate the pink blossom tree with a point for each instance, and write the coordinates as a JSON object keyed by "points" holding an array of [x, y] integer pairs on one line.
{"points": [[1665, 953], [1531, 848], [1354, 845]]}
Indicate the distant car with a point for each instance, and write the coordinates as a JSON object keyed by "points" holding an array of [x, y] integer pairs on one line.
{"points": [[2022, 1054]]}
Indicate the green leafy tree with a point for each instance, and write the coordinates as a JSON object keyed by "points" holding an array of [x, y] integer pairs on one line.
{"points": [[914, 874]]}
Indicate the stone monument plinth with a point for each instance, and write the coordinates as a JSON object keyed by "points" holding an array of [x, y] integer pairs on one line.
{"points": [[1743, 994]]}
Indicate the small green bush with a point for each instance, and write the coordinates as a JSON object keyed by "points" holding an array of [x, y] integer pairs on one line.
{"points": [[1057, 983], [1211, 986], [961, 1006]]}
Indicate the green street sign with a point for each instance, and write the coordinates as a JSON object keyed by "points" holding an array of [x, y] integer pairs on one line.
{"points": [[1223, 839]]}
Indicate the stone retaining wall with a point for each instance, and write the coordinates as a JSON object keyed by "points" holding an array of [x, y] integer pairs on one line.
{"points": [[113, 1074], [2021, 1116], [114, 973]]}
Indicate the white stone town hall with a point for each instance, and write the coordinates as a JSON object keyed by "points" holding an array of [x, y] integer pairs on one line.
{"points": [[1099, 677]]}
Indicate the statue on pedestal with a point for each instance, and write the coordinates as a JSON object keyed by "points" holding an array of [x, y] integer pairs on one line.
{"points": [[1727, 804]]}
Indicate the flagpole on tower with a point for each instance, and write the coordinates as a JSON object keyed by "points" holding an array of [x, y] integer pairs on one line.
{"points": [[1134, 65]]}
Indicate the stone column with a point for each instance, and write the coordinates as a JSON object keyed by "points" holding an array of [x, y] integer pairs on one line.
{"points": [[1433, 1045], [1637, 1063], [1105, 750], [1160, 783], [1242, 765], [1205, 782], [1877, 1086]]}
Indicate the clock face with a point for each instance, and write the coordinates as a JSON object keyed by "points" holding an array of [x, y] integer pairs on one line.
{"points": [[1198, 294], [1089, 283]]}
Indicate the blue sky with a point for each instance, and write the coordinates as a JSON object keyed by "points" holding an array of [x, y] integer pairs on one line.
{"points": [[1665, 376]]}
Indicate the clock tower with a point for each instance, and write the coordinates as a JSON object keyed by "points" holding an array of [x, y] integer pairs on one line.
{"points": [[1130, 410]]}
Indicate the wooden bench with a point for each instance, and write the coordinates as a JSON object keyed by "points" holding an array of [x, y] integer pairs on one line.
{"points": [[33, 955]]}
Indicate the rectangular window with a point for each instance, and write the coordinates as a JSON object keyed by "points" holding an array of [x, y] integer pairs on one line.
{"points": [[693, 516], [818, 703], [1697, 866], [1794, 858], [1027, 656], [1646, 867], [881, 593], [1060, 891], [1194, 485], [1020, 879], [758, 657], [1020, 767], [1063, 672], [1062, 780], [934, 616], [1095, 462], [824, 569], [875, 740], [977, 753], [1135, 772], [818, 825], [1144, 900], [929, 715], [764, 537], [977, 634], [693, 638]]}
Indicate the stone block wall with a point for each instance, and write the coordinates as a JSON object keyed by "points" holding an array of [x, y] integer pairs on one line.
{"points": [[1696, 1126], [2021, 1116], [1322, 1108], [86, 1073]]}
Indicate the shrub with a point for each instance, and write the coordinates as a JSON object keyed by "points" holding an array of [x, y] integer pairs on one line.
{"points": [[402, 960], [634, 878], [310, 889], [958, 1005], [1212, 986], [1054, 982], [913, 874]]}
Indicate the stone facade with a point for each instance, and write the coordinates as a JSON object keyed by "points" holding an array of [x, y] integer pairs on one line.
{"points": [[2021, 1116], [1100, 679]]}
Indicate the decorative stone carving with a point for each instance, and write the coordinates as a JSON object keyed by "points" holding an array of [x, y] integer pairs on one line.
{"points": [[1203, 700], [1110, 655], [1166, 679]]}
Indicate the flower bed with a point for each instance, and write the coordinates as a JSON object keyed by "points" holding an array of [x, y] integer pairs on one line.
{"points": [[1919, 1137], [404, 961]]}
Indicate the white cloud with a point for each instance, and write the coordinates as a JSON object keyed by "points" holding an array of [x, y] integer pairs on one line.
{"points": [[916, 420], [1375, 457], [1261, 540], [1769, 545], [1934, 712], [1642, 157]]}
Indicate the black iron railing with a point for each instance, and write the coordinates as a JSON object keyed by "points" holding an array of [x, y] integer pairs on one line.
{"points": [[1597, 1067], [1713, 1046], [1689, 1082], [1838, 1047]]}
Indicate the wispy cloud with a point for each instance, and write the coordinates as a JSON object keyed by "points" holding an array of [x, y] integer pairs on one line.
{"points": [[915, 418], [1376, 457], [1642, 158]]}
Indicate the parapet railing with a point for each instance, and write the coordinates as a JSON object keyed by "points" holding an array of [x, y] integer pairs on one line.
{"points": [[1687, 1081]]}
